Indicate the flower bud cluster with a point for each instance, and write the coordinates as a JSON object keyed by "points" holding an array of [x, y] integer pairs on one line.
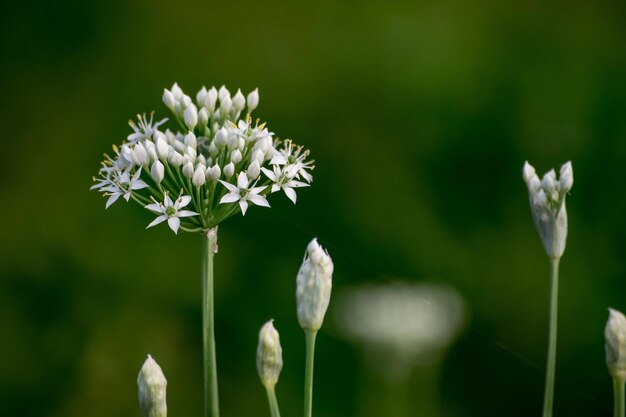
{"points": [[547, 203], [221, 159]]}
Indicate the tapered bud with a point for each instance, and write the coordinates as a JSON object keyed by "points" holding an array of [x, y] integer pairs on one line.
{"points": [[162, 148], [221, 137], [211, 99], [198, 178], [235, 156], [253, 100], [223, 93], [190, 140], [191, 116], [188, 169], [254, 170], [140, 155], [203, 117], [229, 170], [239, 101], [313, 286], [269, 355], [152, 387], [175, 159], [157, 171], [201, 96], [214, 173], [177, 92], [169, 100], [225, 105], [615, 344]]}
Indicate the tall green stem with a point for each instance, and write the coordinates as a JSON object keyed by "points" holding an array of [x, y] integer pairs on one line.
{"points": [[308, 374], [209, 248], [271, 398], [548, 398], [618, 397]]}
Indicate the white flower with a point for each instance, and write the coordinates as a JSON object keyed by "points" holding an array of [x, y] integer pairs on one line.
{"points": [[283, 179], [123, 185], [294, 155], [144, 129], [244, 130], [547, 203], [243, 194], [171, 211]]}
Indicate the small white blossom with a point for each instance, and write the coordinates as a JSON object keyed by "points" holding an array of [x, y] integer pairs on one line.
{"points": [[547, 203], [283, 178], [171, 211], [123, 185], [144, 129], [243, 193]]}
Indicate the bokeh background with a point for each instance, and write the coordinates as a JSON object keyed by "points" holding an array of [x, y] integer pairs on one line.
{"points": [[419, 115]]}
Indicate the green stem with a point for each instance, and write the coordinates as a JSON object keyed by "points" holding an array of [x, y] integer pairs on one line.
{"points": [[209, 248], [551, 361], [271, 398], [308, 374], [618, 397]]}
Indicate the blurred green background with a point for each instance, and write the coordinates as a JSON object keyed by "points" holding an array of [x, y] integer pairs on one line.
{"points": [[419, 115]]}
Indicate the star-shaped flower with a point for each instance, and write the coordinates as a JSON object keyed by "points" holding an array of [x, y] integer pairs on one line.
{"points": [[144, 129], [283, 178], [243, 193], [171, 211]]}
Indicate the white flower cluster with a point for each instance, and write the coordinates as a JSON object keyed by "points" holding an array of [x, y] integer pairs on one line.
{"points": [[547, 203], [220, 162]]}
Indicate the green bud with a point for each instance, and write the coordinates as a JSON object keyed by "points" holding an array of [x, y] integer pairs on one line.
{"points": [[269, 356], [615, 346], [152, 386]]}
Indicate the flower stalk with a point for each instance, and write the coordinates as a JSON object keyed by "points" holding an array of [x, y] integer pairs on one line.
{"points": [[211, 401], [310, 336], [552, 332]]}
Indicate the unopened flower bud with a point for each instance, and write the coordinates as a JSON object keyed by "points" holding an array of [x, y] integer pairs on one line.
{"points": [[313, 286], [190, 140], [214, 173], [233, 142], [615, 344], [253, 100], [235, 156], [198, 178], [567, 177], [201, 96], [269, 355], [258, 156], [203, 117], [177, 92], [157, 172], [221, 137], [191, 116], [188, 169], [254, 170], [169, 100], [140, 155], [225, 105], [152, 387], [175, 159], [211, 99], [229, 170], [239, 101], [223, 93], [162, 148]]}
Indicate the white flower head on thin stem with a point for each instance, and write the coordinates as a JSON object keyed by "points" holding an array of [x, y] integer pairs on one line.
{"points": [[152, 387], [615, 344], [547, 203], [313, 286], [217, 142], [269, 357], [171, 211], [243, 193]]}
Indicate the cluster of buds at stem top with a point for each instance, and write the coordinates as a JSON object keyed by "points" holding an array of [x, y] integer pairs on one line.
{"points": [[152, 388], [313, 286], [615, 344], [219, 163], [269, 356], [547, 203]]}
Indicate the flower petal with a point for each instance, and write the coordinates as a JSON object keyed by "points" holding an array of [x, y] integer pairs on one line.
{"points": [[174, 224], [244, 206], [291, 194], [157, 208], [230, 198], [258, 200], [112, 200], [186, 213], [232, 188], [156, 221], [242, 180]]}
